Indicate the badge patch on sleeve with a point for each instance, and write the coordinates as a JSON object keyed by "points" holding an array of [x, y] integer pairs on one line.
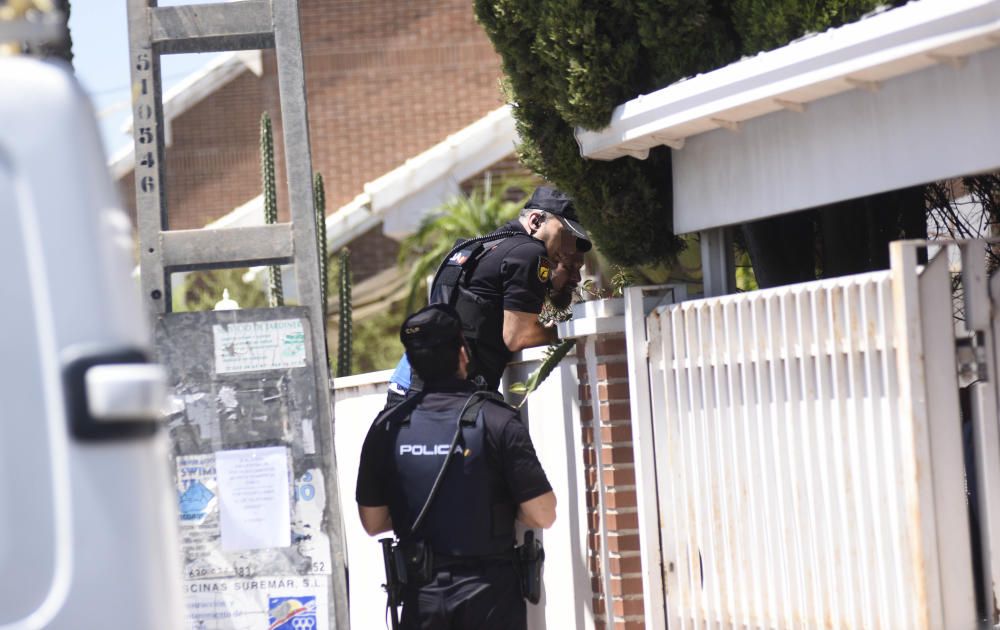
{"points": [[544, 269]]}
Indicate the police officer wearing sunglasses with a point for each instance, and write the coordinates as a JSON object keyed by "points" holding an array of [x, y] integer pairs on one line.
{"points": [[498, 283]]}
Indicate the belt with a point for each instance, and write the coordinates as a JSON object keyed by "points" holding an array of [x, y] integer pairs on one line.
{"points": [[445, 561]]}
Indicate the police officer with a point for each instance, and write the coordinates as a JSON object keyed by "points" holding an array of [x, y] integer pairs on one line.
{"points": [[565, 279], [471, 474], [503, 288]]}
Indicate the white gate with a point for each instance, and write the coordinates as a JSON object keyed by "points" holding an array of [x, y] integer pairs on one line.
{"points": [[807, 455]]}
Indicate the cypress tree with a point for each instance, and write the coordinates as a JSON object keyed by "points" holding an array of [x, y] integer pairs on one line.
{"points": [[769, 24], [568, 63]]}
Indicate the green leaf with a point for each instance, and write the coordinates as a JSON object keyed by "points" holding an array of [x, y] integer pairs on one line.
{"points": [[553, 355]]}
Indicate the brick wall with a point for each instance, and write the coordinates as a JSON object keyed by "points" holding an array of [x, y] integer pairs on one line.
{"points": [[215, 153], [617, 476], [213, 162], [371, 253], [388, 80], [385, 80], [508, 167]]}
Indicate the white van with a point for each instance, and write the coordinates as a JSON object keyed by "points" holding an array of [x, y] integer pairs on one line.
{"points": [[87, 513]]}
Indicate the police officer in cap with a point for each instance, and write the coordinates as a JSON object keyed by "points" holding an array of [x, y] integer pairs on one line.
{"points": [[449, 470], [500, 291]]}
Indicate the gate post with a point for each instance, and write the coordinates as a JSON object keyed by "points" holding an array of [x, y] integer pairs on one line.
{"points": [[620, 476]]}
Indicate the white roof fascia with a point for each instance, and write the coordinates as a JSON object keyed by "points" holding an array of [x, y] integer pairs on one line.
{"points": [[122, 162], [350, 222], [449, 157], [403, 196], [858, 55], [249, 214], [188, 93], [343, 226]]}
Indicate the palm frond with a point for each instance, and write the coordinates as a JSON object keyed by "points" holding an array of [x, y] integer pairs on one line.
{"points": [[479, 212]]}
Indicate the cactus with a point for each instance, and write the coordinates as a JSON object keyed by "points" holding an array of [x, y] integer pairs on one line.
{"points": [[319, 202], [345, 338], [276, 296]]}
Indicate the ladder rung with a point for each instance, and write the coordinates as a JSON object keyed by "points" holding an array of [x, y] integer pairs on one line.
{"points": [[218, 27], [187, 250]]}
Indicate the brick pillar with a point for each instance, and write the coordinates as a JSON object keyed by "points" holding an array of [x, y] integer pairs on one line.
{"points": [[617, 475]]}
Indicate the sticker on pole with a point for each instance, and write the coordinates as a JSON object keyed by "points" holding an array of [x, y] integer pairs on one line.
{"points": [[196, 488], [291, 613], [253, 346], [259, 603]]}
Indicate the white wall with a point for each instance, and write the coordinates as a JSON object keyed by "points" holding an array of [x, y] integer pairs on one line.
{"points": [[357, 399], [553, 418]]}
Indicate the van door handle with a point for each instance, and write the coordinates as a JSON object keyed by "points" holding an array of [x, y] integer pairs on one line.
{"points": [[112, 393]]}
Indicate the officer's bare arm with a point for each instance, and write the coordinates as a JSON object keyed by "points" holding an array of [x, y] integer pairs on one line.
{"points": [[375, 519], [538, 512], [522, 330]]}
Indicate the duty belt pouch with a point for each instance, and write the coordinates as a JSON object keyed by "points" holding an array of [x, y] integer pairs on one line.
{"points": [[449, 276], [530, 557], [414, 563], [476, 313]]}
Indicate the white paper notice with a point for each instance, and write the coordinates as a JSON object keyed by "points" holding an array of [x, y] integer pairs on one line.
{"points": [[254, 504], [252, 346]]}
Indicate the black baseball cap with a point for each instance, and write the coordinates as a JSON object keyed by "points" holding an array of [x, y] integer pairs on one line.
{"points": [[561, 205], [430, 327]]}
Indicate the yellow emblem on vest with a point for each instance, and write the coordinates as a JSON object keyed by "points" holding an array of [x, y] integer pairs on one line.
{"points": [[544, 269]]}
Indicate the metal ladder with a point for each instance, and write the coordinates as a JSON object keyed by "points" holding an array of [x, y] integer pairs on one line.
{"points": [[245, 25]]}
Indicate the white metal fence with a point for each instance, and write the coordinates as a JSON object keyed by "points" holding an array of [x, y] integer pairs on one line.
{"points": [[808, 456]]}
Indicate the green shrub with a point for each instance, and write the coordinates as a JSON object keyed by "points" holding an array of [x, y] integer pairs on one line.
{"points": [[568, 63], [376, 341], [202, 289], [769, 24]]}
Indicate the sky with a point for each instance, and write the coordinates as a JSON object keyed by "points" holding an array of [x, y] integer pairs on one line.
{"points": [[101, 59]]}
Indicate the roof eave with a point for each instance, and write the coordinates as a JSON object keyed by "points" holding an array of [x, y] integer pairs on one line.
{"points": [[860, 55]]}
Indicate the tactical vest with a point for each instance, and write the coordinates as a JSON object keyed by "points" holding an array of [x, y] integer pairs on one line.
{"points": [[482, 320], [465, 518]]}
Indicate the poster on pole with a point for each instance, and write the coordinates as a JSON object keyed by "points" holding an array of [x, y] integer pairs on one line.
{"points": [[253, 346], [254, 503], [251, 467], [259, 603]]}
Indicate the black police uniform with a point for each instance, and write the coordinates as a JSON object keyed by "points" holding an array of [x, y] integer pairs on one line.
{"points": [[511, 274], [470, 522]]}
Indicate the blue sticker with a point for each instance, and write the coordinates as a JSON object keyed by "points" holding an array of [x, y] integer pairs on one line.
{"points": [[194, 501], [291, 613]]}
